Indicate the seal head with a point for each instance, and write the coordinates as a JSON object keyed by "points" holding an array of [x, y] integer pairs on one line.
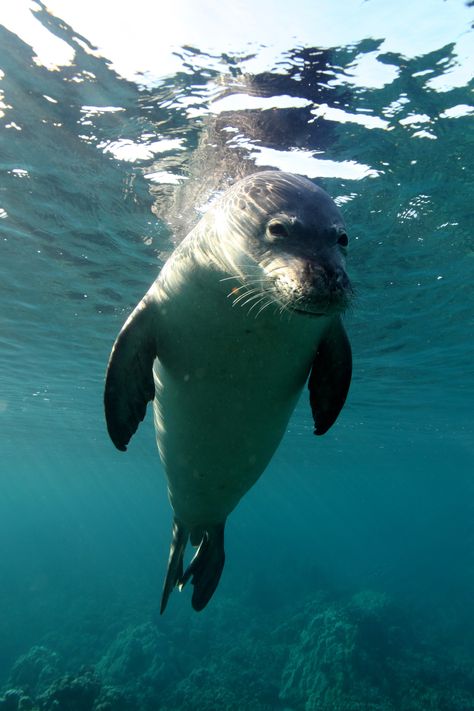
{"points": [[295, 231]]}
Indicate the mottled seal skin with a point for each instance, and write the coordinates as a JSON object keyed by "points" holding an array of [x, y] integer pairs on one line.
{"points": [[246, 311]]}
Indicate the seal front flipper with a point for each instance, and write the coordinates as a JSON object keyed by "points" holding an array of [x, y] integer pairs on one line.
{"points": [[330, 377], [129, 384]]}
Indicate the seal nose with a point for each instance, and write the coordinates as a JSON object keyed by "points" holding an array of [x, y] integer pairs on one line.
{"points": [[334, 277], [324, 283]]}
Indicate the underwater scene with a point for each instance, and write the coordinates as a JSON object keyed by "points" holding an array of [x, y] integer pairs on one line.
{"points": [[349, 566]]}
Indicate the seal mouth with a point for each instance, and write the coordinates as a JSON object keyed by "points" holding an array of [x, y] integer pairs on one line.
{"points": [[330, 303], [307, 312], [318, 311]]}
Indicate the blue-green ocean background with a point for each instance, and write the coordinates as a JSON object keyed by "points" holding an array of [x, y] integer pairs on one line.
{"points": [[349, 578]]}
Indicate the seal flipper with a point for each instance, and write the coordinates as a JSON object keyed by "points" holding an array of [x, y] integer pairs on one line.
{"points": [[174, 574], [129, 384], [206, 567], [330, 377]]}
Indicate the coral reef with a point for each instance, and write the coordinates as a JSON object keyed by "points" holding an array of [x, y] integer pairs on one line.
{"points": [[365, 656], [38, 691], [34, 671], [141, 662], [359, 654]]}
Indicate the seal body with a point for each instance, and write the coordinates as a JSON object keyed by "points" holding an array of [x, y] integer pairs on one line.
{"points": [[215, 444], [246, 308]]}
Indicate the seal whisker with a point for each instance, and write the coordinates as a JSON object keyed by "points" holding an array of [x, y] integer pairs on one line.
{"points": [[259, 283], [252, 298], [235, 291], [236, 276], [262, 298], [249, 293], [284, 305], [256, 278], [269, 303], [299, 299], [283, 308]]}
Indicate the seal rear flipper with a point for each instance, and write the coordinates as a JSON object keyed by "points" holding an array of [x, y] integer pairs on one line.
{"points": [[129, 384], [174, 573], [330, 377], [206, 567]]}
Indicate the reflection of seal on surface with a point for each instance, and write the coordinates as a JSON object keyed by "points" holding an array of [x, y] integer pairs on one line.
{"points": [[244, 310]]}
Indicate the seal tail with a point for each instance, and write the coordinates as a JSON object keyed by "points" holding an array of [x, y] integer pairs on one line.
{"points": [[205, 569]]}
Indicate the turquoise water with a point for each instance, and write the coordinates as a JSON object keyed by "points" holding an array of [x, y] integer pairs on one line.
{"points": [[349, 578]]}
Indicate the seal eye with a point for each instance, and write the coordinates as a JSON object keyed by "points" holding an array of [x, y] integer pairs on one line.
{"points": [[343, 240], [277, 229]]}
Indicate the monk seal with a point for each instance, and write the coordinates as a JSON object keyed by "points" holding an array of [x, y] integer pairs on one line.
{"points": [[244, 312]]}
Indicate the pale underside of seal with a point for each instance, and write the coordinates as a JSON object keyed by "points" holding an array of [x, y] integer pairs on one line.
{"points": [[245, 311]]}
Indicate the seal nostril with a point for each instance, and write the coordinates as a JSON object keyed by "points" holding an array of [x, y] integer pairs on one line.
{"points": [[340, 280], [343, 240]]}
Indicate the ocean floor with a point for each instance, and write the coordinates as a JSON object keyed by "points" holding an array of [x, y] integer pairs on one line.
{"points": [[361, 653]]}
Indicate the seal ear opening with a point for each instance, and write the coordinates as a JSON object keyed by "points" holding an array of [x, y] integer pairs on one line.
{"points": [[330, 377], [129, 384]]}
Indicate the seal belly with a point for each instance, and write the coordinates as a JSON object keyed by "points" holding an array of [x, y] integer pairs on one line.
{"points": [[214, 441], [221, 411]]}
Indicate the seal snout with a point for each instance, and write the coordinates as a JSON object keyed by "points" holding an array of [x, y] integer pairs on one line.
{"points": [[313, 287]]}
